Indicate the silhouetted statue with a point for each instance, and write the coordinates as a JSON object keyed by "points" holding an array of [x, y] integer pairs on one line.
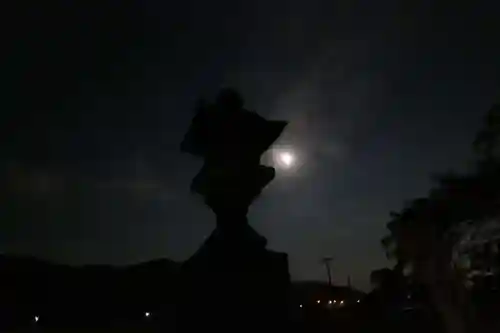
{"points": [[242, 285], [231, 140]]}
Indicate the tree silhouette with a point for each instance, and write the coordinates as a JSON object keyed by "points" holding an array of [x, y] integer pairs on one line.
{"points": [[423, 235], [487, 142]]}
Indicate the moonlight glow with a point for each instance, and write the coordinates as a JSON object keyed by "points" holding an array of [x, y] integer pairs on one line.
{"points": [[287, 159]]}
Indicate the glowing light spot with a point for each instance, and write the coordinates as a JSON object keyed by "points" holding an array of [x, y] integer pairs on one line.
{"points": [[37, 318], [287, 159], [318, 301], [147, 314]]}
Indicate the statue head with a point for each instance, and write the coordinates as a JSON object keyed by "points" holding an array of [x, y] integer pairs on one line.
{"points": [[229, 99], [231, 141]]}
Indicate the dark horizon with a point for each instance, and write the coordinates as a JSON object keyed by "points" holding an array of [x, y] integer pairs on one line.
{"points": [[98, 97]]}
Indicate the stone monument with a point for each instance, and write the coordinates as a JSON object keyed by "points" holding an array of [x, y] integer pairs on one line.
{"points": [[232, 282]]}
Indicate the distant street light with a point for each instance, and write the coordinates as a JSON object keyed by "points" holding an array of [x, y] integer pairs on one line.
{"points": [[147, 314], [318, 301], [36, 319]]}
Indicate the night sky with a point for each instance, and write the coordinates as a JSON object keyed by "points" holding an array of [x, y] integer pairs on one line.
{"points": [[97, 97]]}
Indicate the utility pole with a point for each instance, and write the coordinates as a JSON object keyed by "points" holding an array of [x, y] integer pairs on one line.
{"points": [[327, 262]]}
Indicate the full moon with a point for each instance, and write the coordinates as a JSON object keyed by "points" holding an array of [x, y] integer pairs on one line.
{"points": [[287, 159]]}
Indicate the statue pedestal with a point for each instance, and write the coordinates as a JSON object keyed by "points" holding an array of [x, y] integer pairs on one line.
{"points": [[234, 284]]}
